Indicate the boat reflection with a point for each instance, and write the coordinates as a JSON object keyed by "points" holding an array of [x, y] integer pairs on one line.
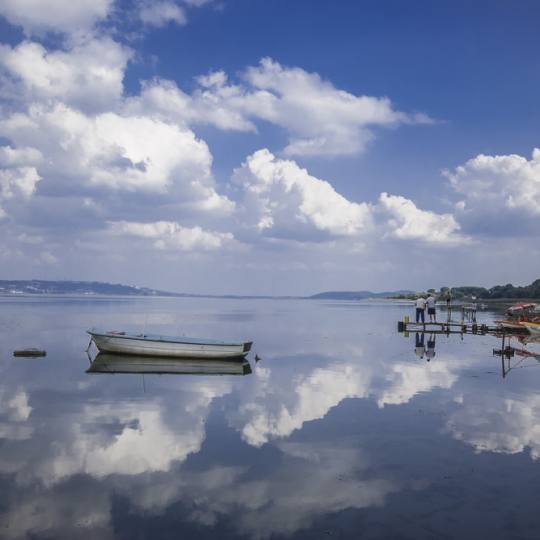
{"points": [[120, 363], [517, 355]]}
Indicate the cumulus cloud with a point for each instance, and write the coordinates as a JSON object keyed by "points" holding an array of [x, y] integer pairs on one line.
{"points": [[170, 235], [116, 152], [408, 222], [36, 16], [125, 442], [214, 103], [319, 118], [497, 187], [104, 158], [277, 404], [282, 199], [301, 399], [14, 157], [406, 380], [510, 182], [67, 127], [16, 411], [18, 182], [492, 424], [88, 76]]}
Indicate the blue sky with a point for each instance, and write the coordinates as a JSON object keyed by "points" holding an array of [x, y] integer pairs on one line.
{"points": [[270, 147]]}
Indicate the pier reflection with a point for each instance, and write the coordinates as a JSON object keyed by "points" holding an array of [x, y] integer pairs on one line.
{"points": [[120, 363], [516, 350], [515, 353]]}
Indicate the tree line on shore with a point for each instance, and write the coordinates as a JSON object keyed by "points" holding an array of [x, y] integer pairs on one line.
{"points": [[497, 292]]}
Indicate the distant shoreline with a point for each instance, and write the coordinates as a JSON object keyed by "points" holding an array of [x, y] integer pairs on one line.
{"points": [[94, 289]]}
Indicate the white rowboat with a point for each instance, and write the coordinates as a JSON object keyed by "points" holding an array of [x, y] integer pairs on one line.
{"points": [[172, 346]]}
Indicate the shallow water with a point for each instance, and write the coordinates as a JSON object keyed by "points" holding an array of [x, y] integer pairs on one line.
{"points": [[340, 430]]}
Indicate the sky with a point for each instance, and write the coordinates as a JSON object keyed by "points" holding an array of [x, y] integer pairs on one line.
{"points": [[281, 147]]}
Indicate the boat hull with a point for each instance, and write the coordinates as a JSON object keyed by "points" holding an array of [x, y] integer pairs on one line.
{"points": [[143, 346], [511, 325], [533, 328]]}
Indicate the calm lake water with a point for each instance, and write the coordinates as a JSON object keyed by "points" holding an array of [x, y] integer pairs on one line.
{"points": [[340, 431]]}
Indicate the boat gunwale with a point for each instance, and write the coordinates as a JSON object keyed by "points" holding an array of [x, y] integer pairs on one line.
{"points": [[194, 341]]}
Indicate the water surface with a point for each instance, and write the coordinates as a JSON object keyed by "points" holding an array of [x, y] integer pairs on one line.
{"points": [[340, 430]]}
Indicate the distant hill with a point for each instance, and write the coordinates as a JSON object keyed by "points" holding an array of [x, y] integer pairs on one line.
{"points": [[89, 288], [37, 286], [357, 295]]}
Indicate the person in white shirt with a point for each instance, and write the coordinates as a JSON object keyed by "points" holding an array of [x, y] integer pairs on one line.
{"points": [[420, 308], [431, 307]]}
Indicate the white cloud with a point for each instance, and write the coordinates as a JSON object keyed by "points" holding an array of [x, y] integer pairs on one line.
{"points": [[16, 405], [16, 183], [280, 198], [20, 181], [220, 107], [493, 184], [146, 437], [170, 235], [292, 403], [15, 413], [131, 153], [407, 222], [54, 15], [492, 424], [102, 157], [133, 450], [160, 13], [406, 380], [88, 76], [14, 157], [319, 118], [280, 402]]}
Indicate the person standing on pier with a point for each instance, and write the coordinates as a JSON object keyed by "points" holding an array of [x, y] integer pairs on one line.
{"points": [[431, 307], [448, 298], [420, 309]]}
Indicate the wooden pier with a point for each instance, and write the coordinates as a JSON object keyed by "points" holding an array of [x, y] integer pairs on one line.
{"points": [[456, 327]]}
